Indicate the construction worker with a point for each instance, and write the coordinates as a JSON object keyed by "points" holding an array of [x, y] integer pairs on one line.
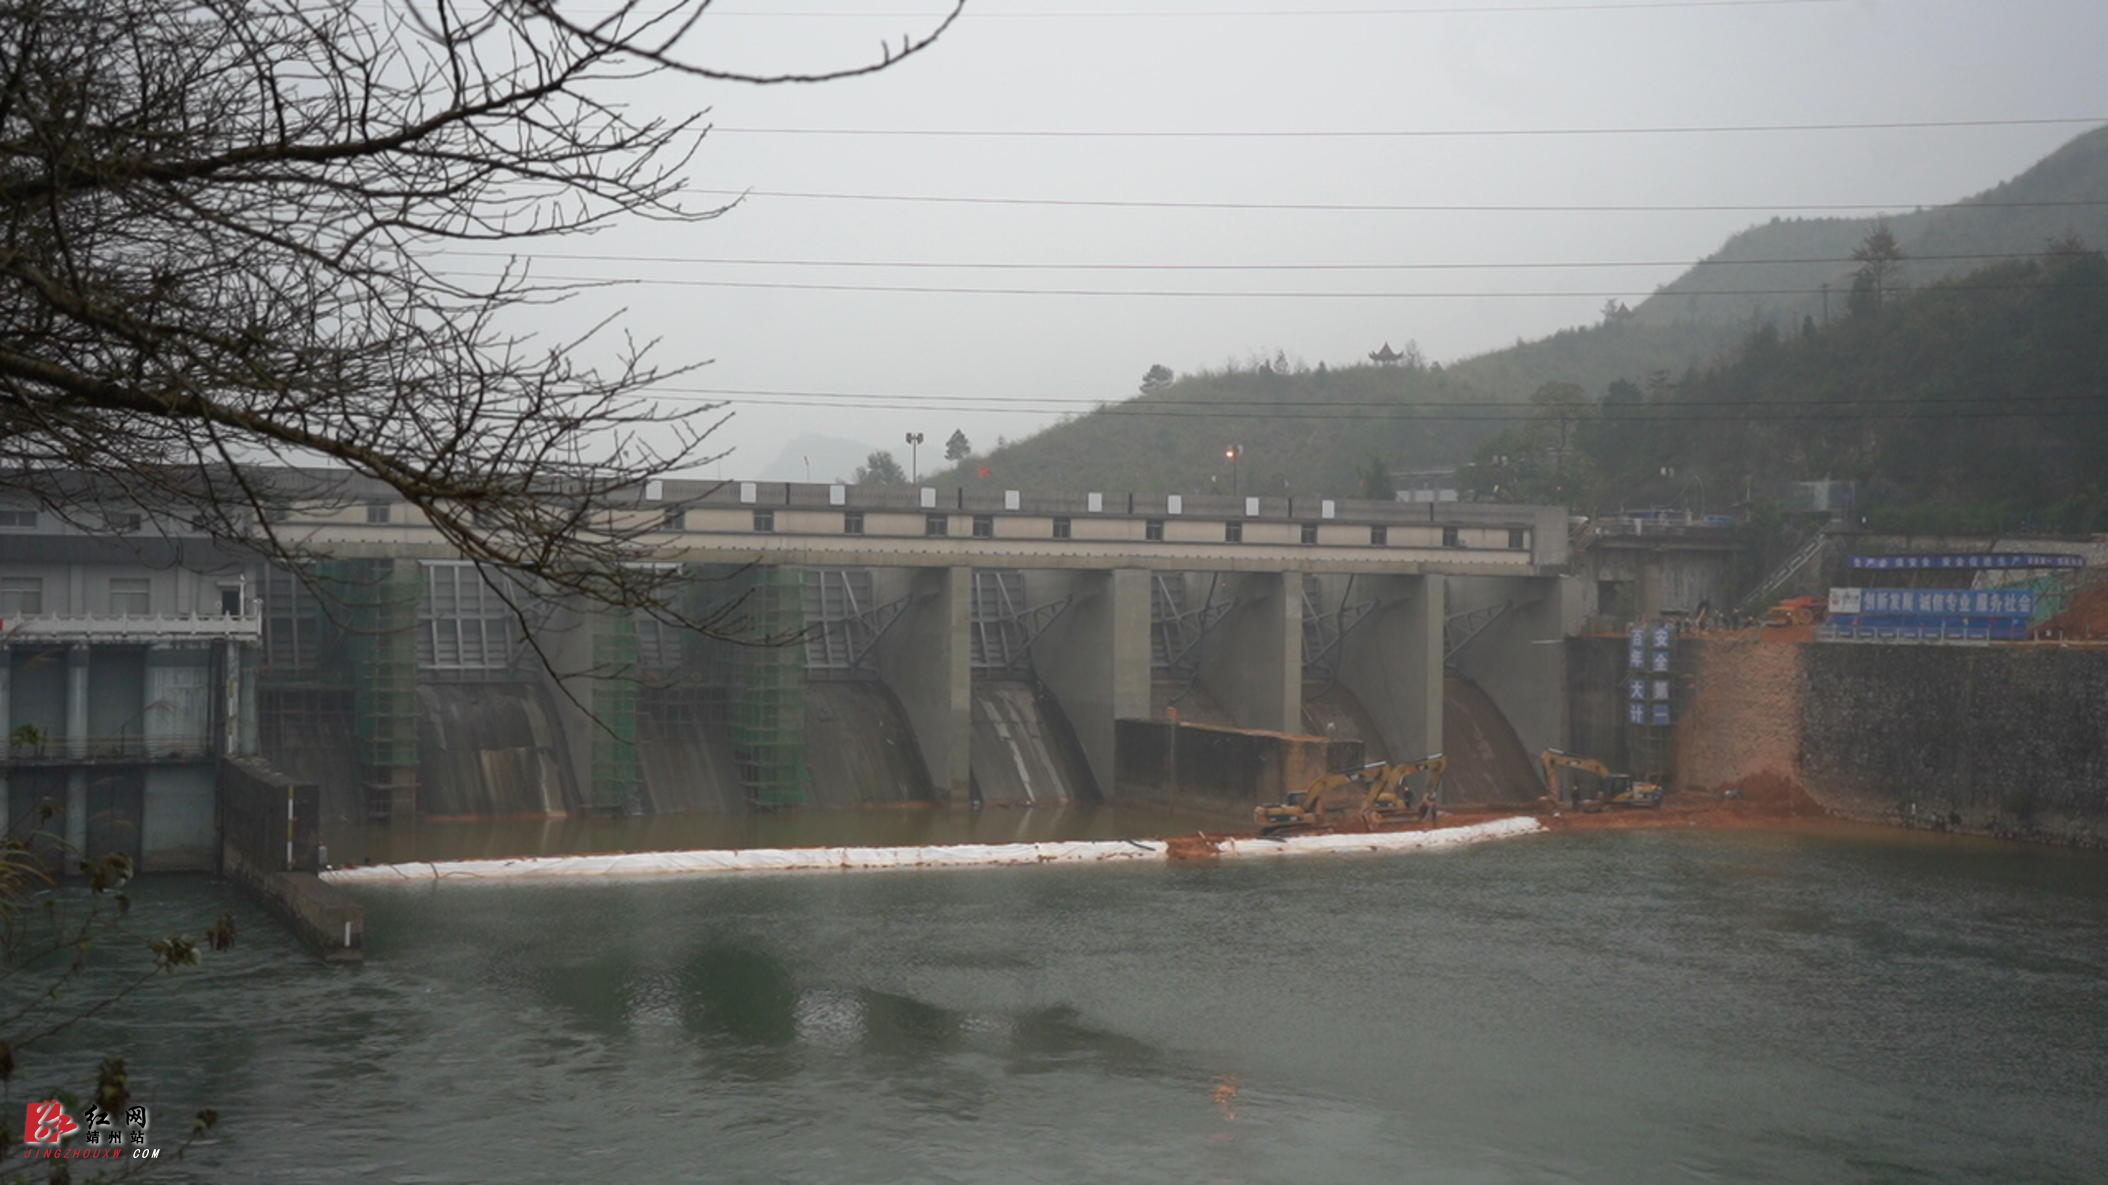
{"points": [[1429, 808]]}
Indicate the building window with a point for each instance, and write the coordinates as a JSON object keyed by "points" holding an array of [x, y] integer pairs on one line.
{"points": [[1153, 530], [984, 526], [764, 520], [1518, 540], [936, 524], [377, 513], [852, 522], [18, 518], [1379, 536], [675, 518], [1310, 532], [1233, 532], [1061, 528], [131, 596], [1450, 537], [21, 595], [121, 521]]}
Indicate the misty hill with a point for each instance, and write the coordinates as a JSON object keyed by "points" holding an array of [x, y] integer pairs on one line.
{"points": [[1730, 288], [1974, 403], [1310, 430]]}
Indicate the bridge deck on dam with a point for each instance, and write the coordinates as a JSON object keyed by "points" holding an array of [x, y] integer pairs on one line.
{"points": [[926, 527], [353, 541]]}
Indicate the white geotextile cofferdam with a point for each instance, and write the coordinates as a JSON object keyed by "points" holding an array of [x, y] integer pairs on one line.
{"points": [[965, 855]]}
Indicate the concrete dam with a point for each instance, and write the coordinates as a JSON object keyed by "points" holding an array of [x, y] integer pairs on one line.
{"points": [[927, 646], [495, 746]]}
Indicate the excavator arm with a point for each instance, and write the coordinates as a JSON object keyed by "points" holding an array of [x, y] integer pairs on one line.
{"points": [[1302, 807], [1621, 789], [1385, 800], [1389, 800], [1555, 760]]}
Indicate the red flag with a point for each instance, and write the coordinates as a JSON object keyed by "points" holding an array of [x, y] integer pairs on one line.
{"points": [[984, 471]]}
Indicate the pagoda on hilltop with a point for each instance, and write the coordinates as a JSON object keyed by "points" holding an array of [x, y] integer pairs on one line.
{"points": [[1386, 356]]}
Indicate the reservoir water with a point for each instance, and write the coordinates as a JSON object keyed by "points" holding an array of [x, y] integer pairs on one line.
{"points": [[1751, 1006]]}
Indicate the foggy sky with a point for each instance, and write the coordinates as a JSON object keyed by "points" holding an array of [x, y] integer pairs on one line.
{"points": [[1856, 61]]}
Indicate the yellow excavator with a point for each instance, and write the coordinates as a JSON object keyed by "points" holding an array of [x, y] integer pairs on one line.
{"points": [[1384, 798], [1390, 801], [1305, 808], [1612, 790]]}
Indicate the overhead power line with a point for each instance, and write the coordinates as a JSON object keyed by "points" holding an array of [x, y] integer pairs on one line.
{"points": [[903, 401], [1716, 412], [1184, 294], [1406, 413], [1715, 129], [991, 265], [1179, 14], [1408, 207]]}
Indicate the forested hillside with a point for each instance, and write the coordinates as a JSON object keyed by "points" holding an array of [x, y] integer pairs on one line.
{"points": [[1776, 272], [1978, 403], [1310, 430], [1324, 429]]}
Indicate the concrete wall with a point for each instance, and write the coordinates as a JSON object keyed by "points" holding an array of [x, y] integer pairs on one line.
{"points": [[1651, 577], [158, 813], [1595, 685], [1252, 662], [178, 693], [1393, 662], [926, 659], [117, 692], [257, 851], [568, 641], [37, 688], [1222, 769], [176, 830], [1519, 658], [1094, 658], [75, 584], [2009, 741]]}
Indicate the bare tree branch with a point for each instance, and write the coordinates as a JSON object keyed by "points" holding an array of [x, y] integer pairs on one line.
{"points": [[216, 218]]}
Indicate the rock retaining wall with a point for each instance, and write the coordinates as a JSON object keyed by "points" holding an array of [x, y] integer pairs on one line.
{"points": [[1997, 740]]}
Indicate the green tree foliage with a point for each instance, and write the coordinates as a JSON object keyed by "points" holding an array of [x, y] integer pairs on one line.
{"points": [[880, 469], [1776, 271], [1541, 459], [1376, 484], [1880, 260], [1975, 403], [957, 448]]}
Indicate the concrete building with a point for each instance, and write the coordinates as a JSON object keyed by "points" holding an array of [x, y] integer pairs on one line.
{"points": [[123, 679]]}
